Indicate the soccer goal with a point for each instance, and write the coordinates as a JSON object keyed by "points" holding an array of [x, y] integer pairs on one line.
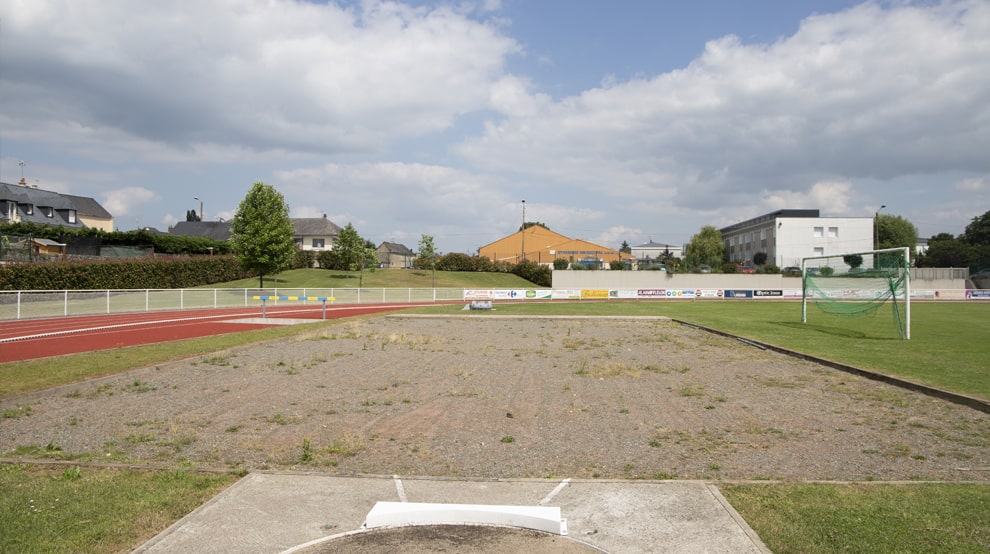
{"points": [[860, 284]]}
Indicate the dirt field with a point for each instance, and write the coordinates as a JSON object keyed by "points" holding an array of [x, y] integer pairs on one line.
{"points": [[494, 397]]}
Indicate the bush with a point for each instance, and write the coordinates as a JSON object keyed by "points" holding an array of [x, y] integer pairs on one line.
{"points": [[729, 267], [617, 265], [537, 274], [560, 263], [304, 259], [135, 273]]}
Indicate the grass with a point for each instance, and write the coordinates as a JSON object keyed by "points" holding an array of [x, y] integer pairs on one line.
{"points": [[810, 518], [383, 278], [68, 509], [116, 510]]}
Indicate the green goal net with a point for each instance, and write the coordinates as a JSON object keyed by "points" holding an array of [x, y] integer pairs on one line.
{"points": [[860, 284]]}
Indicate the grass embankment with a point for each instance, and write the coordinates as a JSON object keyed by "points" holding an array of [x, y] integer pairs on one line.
{"points": [[382, 278], [948, 349]]}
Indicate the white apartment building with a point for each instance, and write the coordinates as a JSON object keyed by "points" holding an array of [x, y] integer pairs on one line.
{"points": [[786, 236]]}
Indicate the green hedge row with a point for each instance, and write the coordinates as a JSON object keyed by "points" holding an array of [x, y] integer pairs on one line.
{"points": [[134, 273], [162, 243]]}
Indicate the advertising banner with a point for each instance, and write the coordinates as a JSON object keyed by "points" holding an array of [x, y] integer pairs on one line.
{"points": [[769, 293], [708, 293], [978, 294], [673, 293], [565, 294], [589, 294], [738, 293], [624, 294], [651, 293], [479, 294]]}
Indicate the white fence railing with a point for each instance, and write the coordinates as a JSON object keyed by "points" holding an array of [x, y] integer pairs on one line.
{"points": [[28, 304]]}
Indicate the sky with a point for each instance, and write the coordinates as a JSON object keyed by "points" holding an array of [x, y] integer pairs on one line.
{"points": [[625, 121]]}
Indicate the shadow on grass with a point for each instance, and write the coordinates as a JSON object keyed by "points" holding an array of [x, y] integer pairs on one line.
{"points": [[834, 331]]}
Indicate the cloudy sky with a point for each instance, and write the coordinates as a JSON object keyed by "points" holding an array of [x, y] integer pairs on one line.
{"points": [[614, 121]]}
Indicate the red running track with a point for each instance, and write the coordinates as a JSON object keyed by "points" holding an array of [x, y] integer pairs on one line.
{"points": [[41, 338]]}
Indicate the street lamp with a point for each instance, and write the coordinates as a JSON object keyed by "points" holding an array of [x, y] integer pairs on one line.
{"points": [[876, 229], [201, 218], [523, 257]]}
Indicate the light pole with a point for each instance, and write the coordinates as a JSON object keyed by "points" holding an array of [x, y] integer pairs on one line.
{"points": [[523, 257], [201, 218], [876, 228]]}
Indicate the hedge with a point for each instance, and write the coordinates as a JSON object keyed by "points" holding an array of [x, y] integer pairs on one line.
{"points": [[133, 273]]}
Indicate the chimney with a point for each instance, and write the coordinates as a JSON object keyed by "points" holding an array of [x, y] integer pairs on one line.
{"points": [[22, 182]]}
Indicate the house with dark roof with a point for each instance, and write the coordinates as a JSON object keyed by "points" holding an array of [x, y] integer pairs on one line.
{"points": [[29, 204], [395, 255], [314, 233], [91, 213], [216, 230]]}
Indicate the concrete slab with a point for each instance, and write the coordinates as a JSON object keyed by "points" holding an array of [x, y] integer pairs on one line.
{"points": [[273, 512]]}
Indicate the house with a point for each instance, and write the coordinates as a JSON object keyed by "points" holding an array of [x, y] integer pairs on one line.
{"points": [[314, 233], [91, 213], [216, 230], [652, 252], [29, 204], [395, 255], [786, 236], [541, 245]]}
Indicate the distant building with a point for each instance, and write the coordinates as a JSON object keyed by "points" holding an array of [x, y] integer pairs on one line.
{"points": [[395, 255], [29, 204], [541, 245], [651, 252], [216, 230], [786, 236], [314, 233]]}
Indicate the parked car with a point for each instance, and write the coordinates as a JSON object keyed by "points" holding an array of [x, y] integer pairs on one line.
{"points": [[747, 269], [704, 269], [793, 271]]}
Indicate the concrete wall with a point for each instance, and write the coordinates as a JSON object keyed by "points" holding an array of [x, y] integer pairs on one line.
{"points": [[608, 279]]}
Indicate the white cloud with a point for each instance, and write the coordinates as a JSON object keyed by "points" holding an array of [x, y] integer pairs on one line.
{"points": [[125, 201], [972, 185], [867, 93], [215, 76]]}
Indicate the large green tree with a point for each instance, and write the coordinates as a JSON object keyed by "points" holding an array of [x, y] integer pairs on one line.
{"points": [[261, 232], [705, 248], [893, 231]]}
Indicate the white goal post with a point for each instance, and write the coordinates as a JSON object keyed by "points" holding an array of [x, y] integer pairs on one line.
{"points": [[855, 284]]}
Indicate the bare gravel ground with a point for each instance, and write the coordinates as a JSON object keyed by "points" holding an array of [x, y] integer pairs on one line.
{"points": [[493, 397]]}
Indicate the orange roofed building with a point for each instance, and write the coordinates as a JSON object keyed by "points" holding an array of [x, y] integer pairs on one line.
{"points": [[543, 246]]}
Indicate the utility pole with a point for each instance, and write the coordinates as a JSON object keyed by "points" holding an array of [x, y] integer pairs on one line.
{"points": [[523, 257]]}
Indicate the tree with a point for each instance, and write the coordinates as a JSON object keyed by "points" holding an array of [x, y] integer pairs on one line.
{"points": [[893, 231], [625, 248], [853, 260], [428, 253], [528, 224], [191, 216], [977, 233], [261, 232], [760, 258], [705, 248], [944, 250]]}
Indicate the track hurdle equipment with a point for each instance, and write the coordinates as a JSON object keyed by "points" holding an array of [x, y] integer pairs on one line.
{"points": [[265, 298]]}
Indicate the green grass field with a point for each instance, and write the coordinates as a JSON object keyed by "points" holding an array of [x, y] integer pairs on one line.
{"points": [[948, 349], [382, 278]]}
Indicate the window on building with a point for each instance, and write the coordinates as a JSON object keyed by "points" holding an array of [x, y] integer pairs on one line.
{"points": [[763, 234], [318, 243], [819, 232], [71, 216], [48, 211], [819, 251], [29, 209], [833, 232]]}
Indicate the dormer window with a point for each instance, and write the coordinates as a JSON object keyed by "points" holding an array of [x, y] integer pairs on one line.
{"points": [[29, 209], [48, 211], [71, 216]]}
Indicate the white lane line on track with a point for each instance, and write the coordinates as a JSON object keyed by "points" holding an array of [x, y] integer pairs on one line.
{"points": [[50, 334]]}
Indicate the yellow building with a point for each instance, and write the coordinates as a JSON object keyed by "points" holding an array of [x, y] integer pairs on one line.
{"points": [[541, 245]]}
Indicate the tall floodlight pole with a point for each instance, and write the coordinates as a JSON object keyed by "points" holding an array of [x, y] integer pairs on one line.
{"points": [[876, 228], [201, 218], [523, 257]]}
